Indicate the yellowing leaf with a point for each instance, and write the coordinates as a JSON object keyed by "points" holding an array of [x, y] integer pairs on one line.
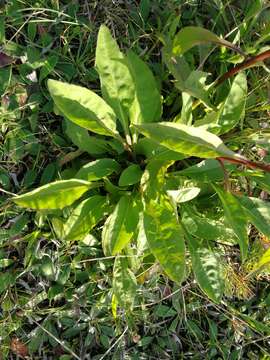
{"points": [[236, 217], [207, 269], [124, 283], [83, 107], [117, 85], [120, 226], [147, 102], [165, 238], [55, 195], [186, 139], [84, 217], [98, 169]]}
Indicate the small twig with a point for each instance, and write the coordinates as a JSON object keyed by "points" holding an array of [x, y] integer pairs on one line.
{"points": [[7, 192], [114, 344], [57, 340], [70, 156]]}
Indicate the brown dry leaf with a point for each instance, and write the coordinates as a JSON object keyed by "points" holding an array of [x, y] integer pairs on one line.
{"points": [[18, 347], [5, 59]]}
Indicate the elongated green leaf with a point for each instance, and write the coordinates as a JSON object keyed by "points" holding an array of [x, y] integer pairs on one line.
{"points": [[186, 139], [117, 84], [209, 229], [83, 107], [98, 169], [258, 326], [55, 195], [258, 212], [186, 111], [84, 217], [232, 110], [177, 65], [264, 260], [147, 104], [263, 182], [131, 175], [190, 36], [124, 283], [236, 217], [152, 150], [120, 226], [165, 238], [152, 181], [206, 170], [234, 107], [191, 83], [207, 269], [161, 228], [83, 140]]}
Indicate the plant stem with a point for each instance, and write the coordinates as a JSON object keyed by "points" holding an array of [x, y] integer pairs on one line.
{"points": [[248, 163], [244, 65]]}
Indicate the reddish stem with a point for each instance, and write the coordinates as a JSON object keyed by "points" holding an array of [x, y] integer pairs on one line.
{"points": [[248, 163], [247, 63]]}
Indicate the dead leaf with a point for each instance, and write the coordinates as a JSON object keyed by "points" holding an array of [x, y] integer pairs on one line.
{"points": [[5, 59], [18, 348]]}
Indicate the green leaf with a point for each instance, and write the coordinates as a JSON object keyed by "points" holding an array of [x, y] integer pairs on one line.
{"points": [[209, 229], [48, 67], [117, 85], [264, 260], [83, 107], [147, 103], [55, 195], [206, 170], [6, 279], [152, 150], [207, 269], [131, 175], [124, 283], [186, 139], [161, 227], [98, 169], [83, 140], [120, 226], [84, 217], [233, 109], [190, 36], [152, 181], [165, 238], [177, 65], [236, 217], [258, 212], [186, 111], [195, 86], [263, 182], [184, 195], [2, 29]]}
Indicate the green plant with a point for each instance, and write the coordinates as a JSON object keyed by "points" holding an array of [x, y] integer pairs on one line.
{"points": [[146, 181]]}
